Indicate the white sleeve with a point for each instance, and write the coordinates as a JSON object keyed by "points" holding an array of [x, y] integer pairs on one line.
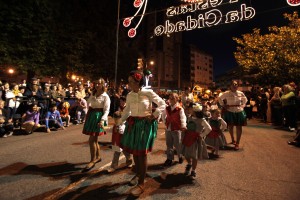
{"points": [[243, 100], [207, 128], [106, 107], [223, 124], [164, 116], [161, 105], [182, 118], [220, 99], [126, 112]]}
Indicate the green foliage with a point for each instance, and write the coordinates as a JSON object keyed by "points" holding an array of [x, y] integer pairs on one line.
{"points": [[273, 57], [55, 37]]}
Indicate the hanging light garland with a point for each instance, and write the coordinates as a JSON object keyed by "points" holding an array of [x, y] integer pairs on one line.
{"points": [[191, 1], [127, 21], [293, 2]]}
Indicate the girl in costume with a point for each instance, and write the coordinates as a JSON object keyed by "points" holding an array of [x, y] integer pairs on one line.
{"points": [[194, 147], [141, 126], [117, 132], [99, 104], [216, 138]]}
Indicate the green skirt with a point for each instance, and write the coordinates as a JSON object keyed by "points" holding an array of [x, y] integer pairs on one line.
{"points": [[139, 135], [235, 118], [91, 125]]}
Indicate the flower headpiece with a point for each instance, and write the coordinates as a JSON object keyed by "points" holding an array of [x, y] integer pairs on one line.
{"points": [[137, 76], [197, 107]]}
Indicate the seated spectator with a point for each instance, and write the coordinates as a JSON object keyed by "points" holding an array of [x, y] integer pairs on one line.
{"points": [[81, 90], [34, 94], [13, 100], [5, 90], [61, 91], [70, 91], [53, 119], [81, 108], [6, 126], [31, 119], [63, 109]]}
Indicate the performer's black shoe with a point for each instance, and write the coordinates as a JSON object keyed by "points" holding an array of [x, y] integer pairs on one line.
{"points": [[168, 162]]}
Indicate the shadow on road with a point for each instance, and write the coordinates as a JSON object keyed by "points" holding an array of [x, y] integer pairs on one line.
{"points": [[58, 170]]}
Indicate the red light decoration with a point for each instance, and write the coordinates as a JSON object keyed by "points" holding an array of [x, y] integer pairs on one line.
{"points": [[131, 32], [137, 3], [293, 2], [127, 22], [141, 6], [190, 1]]}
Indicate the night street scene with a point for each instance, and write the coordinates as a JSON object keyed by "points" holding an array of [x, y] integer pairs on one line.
{"points": [[149, 99]]}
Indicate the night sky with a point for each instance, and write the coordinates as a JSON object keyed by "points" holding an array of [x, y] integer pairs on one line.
{"points": [[218, 42]]}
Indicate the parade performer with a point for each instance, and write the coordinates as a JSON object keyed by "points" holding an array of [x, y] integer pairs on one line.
{"points": [[117, 132], [194, 147], [175, 121], [99, 104], [216, 138], [141, 126], [234, 101]]}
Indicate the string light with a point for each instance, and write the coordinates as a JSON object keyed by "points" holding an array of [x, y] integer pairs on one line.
{"points": [[191, 1], [293, 2]]}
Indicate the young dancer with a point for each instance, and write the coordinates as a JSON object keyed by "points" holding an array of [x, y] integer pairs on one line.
{"points": [[216, 137], [117, 132], [99, 104], [175, 121], [194, 147], [141, 126]]}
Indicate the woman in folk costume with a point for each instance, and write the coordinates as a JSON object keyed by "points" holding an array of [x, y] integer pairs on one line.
{"points": [[175, 121], [234, 102], [216, 138], [141, 126], [99, 104], [194, 147]]}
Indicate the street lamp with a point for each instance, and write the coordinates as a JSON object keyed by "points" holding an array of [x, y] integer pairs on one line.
{"points": [[73, 77], [11, 71]]}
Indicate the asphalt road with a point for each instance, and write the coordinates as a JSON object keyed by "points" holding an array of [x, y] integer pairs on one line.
{"points": [[48, 166]]}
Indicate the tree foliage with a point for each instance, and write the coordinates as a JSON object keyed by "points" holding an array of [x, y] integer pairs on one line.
{"points": [[272, 57], [54, 37]]}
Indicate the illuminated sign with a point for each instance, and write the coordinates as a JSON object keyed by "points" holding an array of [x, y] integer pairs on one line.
{"points": [[209, 18], [293, 2]]}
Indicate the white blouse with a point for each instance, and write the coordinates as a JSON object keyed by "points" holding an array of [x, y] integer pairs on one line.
{"points": [[140, 104], [235, 100], [103, 101]]}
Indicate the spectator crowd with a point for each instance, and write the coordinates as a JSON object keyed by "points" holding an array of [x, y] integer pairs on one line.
{"points": [[30, 105]]}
